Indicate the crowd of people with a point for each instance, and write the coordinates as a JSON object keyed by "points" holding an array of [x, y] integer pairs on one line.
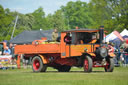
{"points": [[7, 50], [121, 53], [7, 58], [124, 51]]}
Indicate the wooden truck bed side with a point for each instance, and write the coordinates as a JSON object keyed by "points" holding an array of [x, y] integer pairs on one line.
{"points": [[78, 50], [37, 49]]}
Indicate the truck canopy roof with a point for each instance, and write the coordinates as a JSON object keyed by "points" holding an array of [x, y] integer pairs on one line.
{"points": [[81, 30]]}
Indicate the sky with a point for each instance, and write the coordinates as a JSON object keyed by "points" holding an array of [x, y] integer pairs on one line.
{"points": [[28, 6]]}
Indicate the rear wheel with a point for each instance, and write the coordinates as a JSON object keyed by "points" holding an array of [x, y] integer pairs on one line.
{"points": [[110, 65], [88, 64], [37, 65], [64, 68]]}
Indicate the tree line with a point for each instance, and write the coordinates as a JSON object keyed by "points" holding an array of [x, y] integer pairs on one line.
{"points": [[112, 14]]}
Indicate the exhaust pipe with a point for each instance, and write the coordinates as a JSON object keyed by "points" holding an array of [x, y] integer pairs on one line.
{"points": [[101, 33]]}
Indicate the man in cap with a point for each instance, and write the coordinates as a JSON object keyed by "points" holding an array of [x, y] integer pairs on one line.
{"points": [[55, 35]]}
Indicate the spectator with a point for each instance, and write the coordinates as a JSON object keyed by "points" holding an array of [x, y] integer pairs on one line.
{"points": [[54, 35], [1, 49], [11, 47], [126, 52], [7, 51], [67, 39], [111, 48]]}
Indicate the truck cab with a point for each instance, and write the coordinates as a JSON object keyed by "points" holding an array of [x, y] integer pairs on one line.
{"points": [[81, 40]]}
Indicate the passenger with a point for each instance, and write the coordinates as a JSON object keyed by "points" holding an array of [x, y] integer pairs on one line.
{"points": [[7, 51], [1, 49], [54, 35], [93, 39], [80, 38], [67, 39]]}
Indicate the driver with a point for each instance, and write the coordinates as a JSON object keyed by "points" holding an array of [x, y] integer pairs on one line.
{"points": [[67, 38]]}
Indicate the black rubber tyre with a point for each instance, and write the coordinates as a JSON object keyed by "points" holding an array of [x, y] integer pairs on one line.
{"points": [[110, 66], [88, 64], [37, 65], [64, 68]]}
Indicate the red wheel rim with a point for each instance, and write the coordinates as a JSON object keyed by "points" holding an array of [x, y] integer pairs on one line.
{"points": [[86, 64], [36, 64]]}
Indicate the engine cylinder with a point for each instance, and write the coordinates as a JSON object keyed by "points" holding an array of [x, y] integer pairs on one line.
{"points": [[101, 52]]}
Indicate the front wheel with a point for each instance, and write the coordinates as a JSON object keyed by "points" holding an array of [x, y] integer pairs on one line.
{"points": [[37, 65], [88, 64], [110, 65]]}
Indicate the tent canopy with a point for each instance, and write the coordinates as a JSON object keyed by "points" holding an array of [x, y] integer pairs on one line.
{"points": [[124, 33], [117, 41], [27, 37], [112, 36]]}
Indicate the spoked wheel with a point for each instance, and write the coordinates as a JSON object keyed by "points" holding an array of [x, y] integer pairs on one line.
{"points": [[110, 65], [88, 64], [37, 65], [64, 68]]}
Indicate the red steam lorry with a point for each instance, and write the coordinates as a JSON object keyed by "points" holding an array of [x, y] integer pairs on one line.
{"points": [[86, 50]]}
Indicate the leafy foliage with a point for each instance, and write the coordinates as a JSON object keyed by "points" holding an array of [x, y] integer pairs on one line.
{"points": [[39, 17], [113, 14], [77, 14], [110, 13]]}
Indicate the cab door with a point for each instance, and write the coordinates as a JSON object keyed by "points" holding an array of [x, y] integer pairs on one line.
{"points": [[63, 45], [66, 47]]}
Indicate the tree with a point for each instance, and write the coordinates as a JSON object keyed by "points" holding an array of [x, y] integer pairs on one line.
{"points": [[40, 20], [77, 14], [122, 14], [5, 21], [29, 19], [59, 21], [110, 13], [100, 12], [49, 21]]}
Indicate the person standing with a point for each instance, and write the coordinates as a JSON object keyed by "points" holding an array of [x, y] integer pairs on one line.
{"points": [[1, 49], [7, 51], [126, 52], [11, 47], [124, 49], [54, 35]]}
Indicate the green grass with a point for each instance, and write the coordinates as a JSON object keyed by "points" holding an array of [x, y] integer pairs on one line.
{"points": [[75, 77]]}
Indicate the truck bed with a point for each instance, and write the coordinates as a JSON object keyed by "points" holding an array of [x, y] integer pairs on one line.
{"points": [[37, 49]]}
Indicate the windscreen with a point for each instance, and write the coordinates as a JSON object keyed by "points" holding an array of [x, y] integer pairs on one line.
{"points": [[84, 37]]}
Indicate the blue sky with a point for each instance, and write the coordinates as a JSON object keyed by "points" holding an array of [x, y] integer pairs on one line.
{"points": [[28, 6]]}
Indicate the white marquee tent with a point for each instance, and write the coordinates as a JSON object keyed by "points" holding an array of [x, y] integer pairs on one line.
{"points": [[124, 33], [112, 36]]}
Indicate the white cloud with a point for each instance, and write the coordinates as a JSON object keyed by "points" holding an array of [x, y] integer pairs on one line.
{"points": [[18, 9]]}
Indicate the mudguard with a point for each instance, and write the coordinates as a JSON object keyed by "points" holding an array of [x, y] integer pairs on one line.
{"points": [[44, 59]]}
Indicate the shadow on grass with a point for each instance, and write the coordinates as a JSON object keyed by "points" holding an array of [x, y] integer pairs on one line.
{"points": [[66, 72]]}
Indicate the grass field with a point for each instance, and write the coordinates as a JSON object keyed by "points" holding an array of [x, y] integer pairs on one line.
{"points": [[75, 77]]}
